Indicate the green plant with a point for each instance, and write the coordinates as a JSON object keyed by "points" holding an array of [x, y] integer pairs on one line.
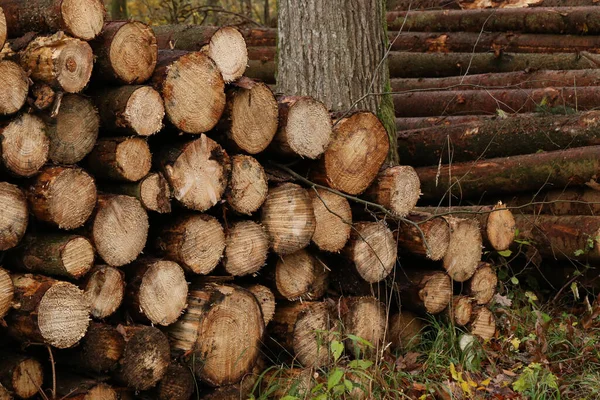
{"points": [[537, 383]]}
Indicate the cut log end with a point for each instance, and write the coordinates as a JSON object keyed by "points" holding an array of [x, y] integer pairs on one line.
{"points": [[83, 18], [483, 323], [77, 257], [4, 393], [14, 215], [14, 84], [363, 317], [500, 228], [405, 330], [144, 111], [2, 28], [74, 66], [314, 330], [461, 310], [24, 145], [465, 249], [7, 292], [104, 290], [436, 292], [133, 53], [301, 276], [248, 186], [134, 159], [333, 218], [155, 193], [265, 299], [482, 285], [227, 48], [397, 189], [431, 240], [246, 248], [101, 391], [177, 384], [373, 250], [24, 375]]}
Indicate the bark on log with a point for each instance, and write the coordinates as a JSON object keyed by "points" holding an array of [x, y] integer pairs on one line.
{"points": [[301, 276], [305, 127], [62, 196], [430, 238], [511, 174], [305, 330], [21, 374], [365, 318], [397, 189], [246, 249], [130, 110], [177, 384], [465, 248], [333, 218], [351, 167], [7, 292], [62, 62], [14, 84], [475, 4], [119, 229], [152, 191], [372, 250], [405, 330], [156, 291], [70, 386], [197, 172], [263, 71], [483, 323], [80, 18], [48, 311], [74, 131], [225, 45], [126, 52], [14, 215], [192, 88], [409, 124], [248, 186], [55, 254], [104, 288], [404, 5], [42, 96], [121, 159], [288, 217], [576, 201], [482, 286], [24, 145], [266, 300], [460, 310], [424, 291]]}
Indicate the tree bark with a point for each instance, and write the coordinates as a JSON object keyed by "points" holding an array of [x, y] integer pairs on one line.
{"points": [[21, 374], [424, 291], [573, 167], [371, 250], [80, 18], [365, 318], [24, 145], [475, 4], [14, 84], [248, 186], [576, 201], [430, 238], [263, 71], [405, 330], [104, 288], [482, 286], [333, 217], [14, 215], [301, 276], [7, 292], [342, 78], [247, 246], [409, 124], [397, 189], [152, 191], [125, 159], [118, 9]]}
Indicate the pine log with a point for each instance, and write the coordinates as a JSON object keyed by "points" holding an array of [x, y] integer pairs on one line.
{"points": [[359, 147], [266, 300], [482, 286], [152, 191], [70, 386], [248, 185], [225, 45], [24, 145], [48, 311], [305, 330], [365, 318], [195, 241], [4, 393], [2, 28], [21, 374], [14, 215], [409, 124], [371, 250], [156, 291], [184, 333], [119, 229], [246, 388], [405, 330], [126, 52], [250, 118], [80, 18], [475, 4], [192, 88], [55, 254], [121, 159], [288, 217], [7, 292], [263, 71], [483, 323], [197, 172], [576, 201], [100, 350], [63, 62], [429, 238], [42, 96], [14, 84], [424, 291], [301, 276], [130, 110], [305, 127], [465, 248], [246, 249], [397, 189], [405, 5], [460, 310], [511, 174], [333, 218], [74, 131], [62, 196], [177, 384], [104, 288]]}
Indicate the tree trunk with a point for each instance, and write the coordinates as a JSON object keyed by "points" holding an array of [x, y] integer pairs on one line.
{"points": [[177, 384], [248, 186], [342, 78], [118, 10], [74, 130], [152, 191], [357, 152], [104, 288], [119, 229], [288, 217], [62, 196], [483, 323], [126, 53], [474, 4], [430, 238], [266, 300], [24, 145], [576, 201], [301, 276], [195, 241], [14, 215], [14, 84], [263, 71], [482, 286], [397, 189], [409, 124], [7, 292], [405, 330], [372, 250], [247, 246], [76, 387], [197, 172], [511, 174], [80, 18], [333, 218], [48, 311], [130, 110], [125, 159], [192, 88], [365, 318], [424, 291], [21, 374], [460, 310]]}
